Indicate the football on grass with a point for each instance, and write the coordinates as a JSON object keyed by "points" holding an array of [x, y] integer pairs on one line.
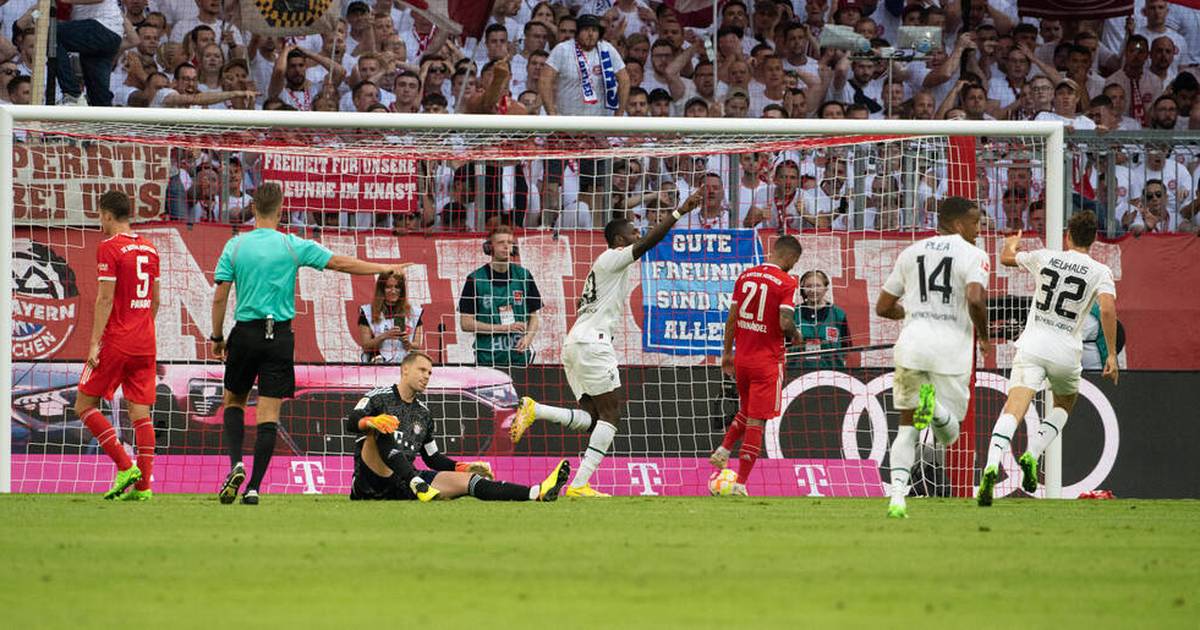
{"points": [[720, 484]]}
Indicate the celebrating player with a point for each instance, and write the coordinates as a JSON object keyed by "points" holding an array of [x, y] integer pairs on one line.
{"points": [[943, 280], [588, 355], [393, 425], [1051, 346], [122, 348], [761, 317]]}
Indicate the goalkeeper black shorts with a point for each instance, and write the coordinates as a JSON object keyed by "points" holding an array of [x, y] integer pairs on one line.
{"points": [[373, 488]]}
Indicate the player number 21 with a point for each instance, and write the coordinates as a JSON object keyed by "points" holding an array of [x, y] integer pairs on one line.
{"points": [[143, 286], [752, 289]]}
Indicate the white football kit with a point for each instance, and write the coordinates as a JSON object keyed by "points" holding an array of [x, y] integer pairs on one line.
{"points": [[1051, 346], [588, 355], [937, 343]]}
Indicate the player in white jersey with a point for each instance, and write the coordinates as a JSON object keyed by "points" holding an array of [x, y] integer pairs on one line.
{"points": [[1051, 346], [588, 354], [943, 281]]}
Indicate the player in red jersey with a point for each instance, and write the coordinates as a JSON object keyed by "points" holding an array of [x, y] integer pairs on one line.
{"points": [[760, 320], [122, 348]]}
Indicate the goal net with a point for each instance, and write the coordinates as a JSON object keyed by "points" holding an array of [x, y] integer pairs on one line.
{"points": [[428, 190]]}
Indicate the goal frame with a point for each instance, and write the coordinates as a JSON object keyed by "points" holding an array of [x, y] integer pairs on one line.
{"points": [[10, 115]]}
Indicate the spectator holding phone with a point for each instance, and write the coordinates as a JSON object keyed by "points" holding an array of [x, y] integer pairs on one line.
{"points": [[389, 327]]}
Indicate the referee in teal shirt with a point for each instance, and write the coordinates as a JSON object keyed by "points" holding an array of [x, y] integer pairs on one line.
{"points": [[262, 264]]}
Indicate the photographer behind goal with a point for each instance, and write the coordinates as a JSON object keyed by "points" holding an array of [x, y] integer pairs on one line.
{"points": [[393, 425]]}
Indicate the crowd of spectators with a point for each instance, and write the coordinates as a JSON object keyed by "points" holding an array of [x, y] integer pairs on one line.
{"points": [[762, 58]]}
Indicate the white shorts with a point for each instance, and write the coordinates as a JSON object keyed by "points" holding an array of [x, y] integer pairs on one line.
{"points": [[1031, 371], [953, 391], [591, 368]]}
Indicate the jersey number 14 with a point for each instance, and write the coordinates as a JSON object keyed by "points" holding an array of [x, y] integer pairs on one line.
{"points": [[936, 281]]}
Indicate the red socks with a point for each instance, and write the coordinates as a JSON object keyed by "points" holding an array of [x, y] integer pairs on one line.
{"points": [[749, 451], [734, 432], [143, 434], [106, 435]]}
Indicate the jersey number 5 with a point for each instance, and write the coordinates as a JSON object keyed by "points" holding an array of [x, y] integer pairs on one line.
{"points": [[1074, 294], [752, 289], [937, 280], [143, 286]]}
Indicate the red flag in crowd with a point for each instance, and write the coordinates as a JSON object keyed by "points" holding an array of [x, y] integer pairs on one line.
{"points": [[1073, 9], [472, 15]]}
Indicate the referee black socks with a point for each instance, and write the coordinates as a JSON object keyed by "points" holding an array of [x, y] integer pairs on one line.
{"points": [[264, 446], [235, 431]]}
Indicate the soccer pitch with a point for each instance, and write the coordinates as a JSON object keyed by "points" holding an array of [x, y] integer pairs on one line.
{"points": [[302, 562]]}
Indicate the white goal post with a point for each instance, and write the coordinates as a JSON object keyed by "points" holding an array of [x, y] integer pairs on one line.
{"points": [[46, 118]]}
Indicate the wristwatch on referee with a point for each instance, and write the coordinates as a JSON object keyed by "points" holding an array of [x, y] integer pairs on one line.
{"points": [[216, 339]]}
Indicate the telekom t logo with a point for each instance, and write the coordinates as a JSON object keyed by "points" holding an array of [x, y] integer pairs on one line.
{"points": [[309, 473], [644, 474], [813, 476]]}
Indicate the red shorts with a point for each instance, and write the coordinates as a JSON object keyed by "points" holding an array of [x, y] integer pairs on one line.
{"points": [[136, 376], [760, 391]]}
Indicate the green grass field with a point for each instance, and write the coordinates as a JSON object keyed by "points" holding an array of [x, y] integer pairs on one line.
{"points": [[186, 561]]}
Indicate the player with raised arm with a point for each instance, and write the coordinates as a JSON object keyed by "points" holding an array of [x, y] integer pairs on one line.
{"points": [[1051, 346], [761, 319], [943, 281], [589, 358], [122, 349], [393, 425]]}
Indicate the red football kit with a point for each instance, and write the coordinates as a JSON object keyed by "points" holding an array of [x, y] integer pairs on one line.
{"points": [[127, 346], [758, 356]]}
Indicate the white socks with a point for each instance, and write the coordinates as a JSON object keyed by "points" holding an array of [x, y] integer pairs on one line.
{"points": [[1001, 441], [576, 420], [1052, 425], [903, 453], [597, 448], [945, 427]]}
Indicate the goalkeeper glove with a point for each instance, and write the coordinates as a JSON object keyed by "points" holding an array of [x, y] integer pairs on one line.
{"points": [[483, 469], [423, 490], [383, 423]]}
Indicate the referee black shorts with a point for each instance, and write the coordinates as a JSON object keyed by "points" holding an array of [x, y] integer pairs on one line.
{"points": [[370, 487], [252, 356]]}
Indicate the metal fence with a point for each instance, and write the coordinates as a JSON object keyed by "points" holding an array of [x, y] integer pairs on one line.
{"points": [[1136, 181]]}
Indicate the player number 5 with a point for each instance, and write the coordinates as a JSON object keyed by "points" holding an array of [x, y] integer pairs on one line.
{"points": [[143, 287]]}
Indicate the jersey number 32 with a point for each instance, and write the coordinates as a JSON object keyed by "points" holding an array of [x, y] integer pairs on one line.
{"points": [[1073, 288]]}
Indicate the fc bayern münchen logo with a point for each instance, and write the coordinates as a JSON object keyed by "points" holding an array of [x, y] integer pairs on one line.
{"points": [[45, 300]]}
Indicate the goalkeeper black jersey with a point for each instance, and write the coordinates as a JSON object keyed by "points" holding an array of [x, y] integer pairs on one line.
{"points": [[414, 435]]}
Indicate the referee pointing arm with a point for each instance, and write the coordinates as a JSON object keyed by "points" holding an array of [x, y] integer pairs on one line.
{"points": [[263, 265]]}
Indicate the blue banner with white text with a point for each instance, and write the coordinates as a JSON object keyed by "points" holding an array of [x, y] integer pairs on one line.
{"points": [[687, 283]]}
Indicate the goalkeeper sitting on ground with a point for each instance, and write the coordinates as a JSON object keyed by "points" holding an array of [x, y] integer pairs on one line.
{"points": [[393, 425]]}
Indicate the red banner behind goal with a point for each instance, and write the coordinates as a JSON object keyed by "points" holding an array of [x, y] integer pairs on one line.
{"points": [[1159, 323]]}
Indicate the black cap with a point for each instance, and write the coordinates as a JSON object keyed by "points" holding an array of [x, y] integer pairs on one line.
{"points": [[587, 20]]}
